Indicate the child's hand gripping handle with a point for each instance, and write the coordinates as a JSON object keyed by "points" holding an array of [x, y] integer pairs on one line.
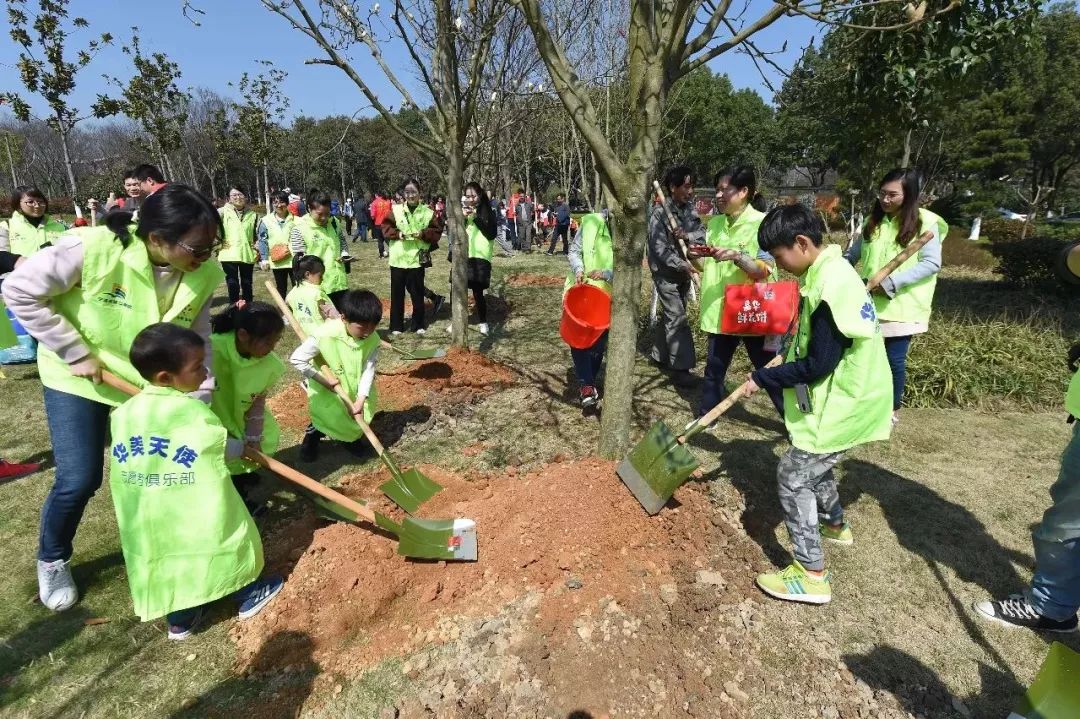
{"points": [[714, 414], [290, 474], [329, 375], [902, 257]]}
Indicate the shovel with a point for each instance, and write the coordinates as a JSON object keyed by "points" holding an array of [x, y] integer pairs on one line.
{"points": [[407, 489], [660, 462], [901, 257], [280, 302], [1055, 693]]}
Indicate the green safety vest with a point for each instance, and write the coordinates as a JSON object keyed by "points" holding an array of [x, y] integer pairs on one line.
{"points": [[405, 253], [596, 252], [1072, 397], [325, 243], [479, 245], [346, 357], [742, 235], [239, 236], [25, 239], [304, 301], [186, 535], [115, 300], [853, 405], [911, 303], [237, 382], [278, 234]]}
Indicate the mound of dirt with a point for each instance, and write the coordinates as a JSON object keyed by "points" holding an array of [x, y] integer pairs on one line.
{"points": [[569, 532], [459, 376], [525, 279], [290, 407]]}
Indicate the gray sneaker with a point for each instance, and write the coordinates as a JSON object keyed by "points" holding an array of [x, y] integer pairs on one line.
{"points": [[56, 587]]}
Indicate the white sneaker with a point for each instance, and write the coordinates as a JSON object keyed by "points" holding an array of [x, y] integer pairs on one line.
{"points": [[449, 328], [483, 328], [56, 587], [421, 331], [395, 333]]}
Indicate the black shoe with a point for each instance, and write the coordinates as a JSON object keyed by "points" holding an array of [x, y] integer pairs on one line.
{"points": [[436, 305], [683, 379], [309, 448], [359, 448], [1016, 612]]}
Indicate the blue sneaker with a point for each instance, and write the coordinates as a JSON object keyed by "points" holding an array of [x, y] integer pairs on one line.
{"points": [[182, 624], [257, 595]]}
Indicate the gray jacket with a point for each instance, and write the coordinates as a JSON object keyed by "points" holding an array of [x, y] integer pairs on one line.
{"points": [[665, 258]]}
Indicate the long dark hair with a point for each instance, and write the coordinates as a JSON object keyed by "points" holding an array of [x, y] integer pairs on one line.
{"points": [[910, 180], [171, 212], [743, 177], [485, 217]]}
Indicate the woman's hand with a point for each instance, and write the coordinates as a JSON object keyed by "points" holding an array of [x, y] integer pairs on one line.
{"points": [[596, 275], [358, 407], [725, 254], [88, 367]]}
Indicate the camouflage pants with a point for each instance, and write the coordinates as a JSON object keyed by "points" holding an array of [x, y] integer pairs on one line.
{"points": [[807, 489]]}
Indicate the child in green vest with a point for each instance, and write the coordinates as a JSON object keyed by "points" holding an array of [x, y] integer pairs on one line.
{"points": [[837, 395], [350, 347], [245, 368], [308, 301], [186, 535]]}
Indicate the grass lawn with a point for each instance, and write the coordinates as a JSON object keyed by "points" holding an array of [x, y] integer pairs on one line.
{"points": [[942, 515]]}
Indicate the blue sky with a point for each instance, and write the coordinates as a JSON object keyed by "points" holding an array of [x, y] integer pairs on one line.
{"points": [[236, 33]]}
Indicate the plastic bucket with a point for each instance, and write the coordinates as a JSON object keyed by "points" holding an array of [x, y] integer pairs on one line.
{"points": [[26, 349], [586, 315]]}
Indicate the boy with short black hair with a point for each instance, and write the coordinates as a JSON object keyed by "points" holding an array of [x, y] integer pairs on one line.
{"points": [[350, 348], [308, 301], [186, 535], [837, 394]]}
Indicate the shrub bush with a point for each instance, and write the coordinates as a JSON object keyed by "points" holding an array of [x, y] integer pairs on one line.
{"points": [[1030, 263], [998, 229]]}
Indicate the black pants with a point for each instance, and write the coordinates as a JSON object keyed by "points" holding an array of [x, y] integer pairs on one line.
{"points": [[238, 280], [282, 275], [348, 225], [562, 231], [721, 350], [402, 280], [376, 232]]}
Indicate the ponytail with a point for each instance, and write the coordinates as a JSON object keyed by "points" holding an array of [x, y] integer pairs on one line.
{"points": [[258, 319], [118, 222], [758, 202]]}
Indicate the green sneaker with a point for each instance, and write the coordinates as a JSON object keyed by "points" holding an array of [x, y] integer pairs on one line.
{"points": [[842, 535], [795, 585]]}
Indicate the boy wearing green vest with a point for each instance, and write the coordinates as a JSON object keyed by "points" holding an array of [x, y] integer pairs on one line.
{"points": [[274, 232], [350, 348], [591, 262], [837, 395], [186, 535], [308, 301], [237, 254]]}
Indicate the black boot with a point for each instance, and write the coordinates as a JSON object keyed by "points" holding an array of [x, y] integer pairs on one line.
{"points": [[309, 448]]}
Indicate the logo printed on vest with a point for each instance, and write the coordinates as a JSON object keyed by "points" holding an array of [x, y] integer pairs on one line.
{"points": [[868, 312], [116, 297], [184, 456]]}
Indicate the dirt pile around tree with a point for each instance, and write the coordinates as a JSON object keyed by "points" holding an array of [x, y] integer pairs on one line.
{"points": [[460, 376], [526, 279], [570, 532]]}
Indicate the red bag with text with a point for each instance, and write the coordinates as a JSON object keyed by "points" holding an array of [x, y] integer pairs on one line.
{"points": [[761, 308]]}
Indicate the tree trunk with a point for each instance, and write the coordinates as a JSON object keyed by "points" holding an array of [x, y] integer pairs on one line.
{"points": [[459, 247], [72, 185], [11, 161], [907, 150]]}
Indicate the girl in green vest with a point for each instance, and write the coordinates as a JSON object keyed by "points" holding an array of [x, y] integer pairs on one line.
{"points": [[413, 230], [274, 232], [836, 395], [187, 537], [904, 299], [85, 299], [237, 254], [310, 304], [732, 256], [246, 367], [480, 231], [29, 229], [350, 348], [317, 233]]}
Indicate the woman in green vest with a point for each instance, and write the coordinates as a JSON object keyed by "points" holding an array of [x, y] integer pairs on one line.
{"points": [[237, 255], [84, 299], [904, 299], [413, 230], [480, 229], [592, 262], [274, 232], [317, 233], [29, 229], [732, 256]]}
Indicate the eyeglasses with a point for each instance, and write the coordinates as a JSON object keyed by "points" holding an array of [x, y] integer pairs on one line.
{"points": [[34, 203], [890, 195], [203, 253]]}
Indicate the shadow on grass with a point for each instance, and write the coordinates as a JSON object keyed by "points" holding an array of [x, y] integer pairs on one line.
{"points": [[751, 467], [38, 639], [268, 693], [992, 299]]}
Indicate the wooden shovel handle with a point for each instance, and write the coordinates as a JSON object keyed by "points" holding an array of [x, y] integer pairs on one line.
{"points": [[290, 474], [673, 225], [713, 414], [902, 257], [118, 383], [340, 391]]}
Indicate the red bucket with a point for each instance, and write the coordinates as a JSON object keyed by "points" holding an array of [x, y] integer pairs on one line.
{"points": [[586, 315]]}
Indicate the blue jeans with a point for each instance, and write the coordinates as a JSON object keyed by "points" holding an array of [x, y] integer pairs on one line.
{"points": [[721, 350], [361, 232], [1055, 588], [896, 349], [587, 362], [78, 428]]}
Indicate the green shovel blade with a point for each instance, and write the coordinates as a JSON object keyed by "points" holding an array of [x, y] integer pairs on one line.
{"points": [[656, 467], [426, 354], [1055, 693], [446, 539], [408, 489]]}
